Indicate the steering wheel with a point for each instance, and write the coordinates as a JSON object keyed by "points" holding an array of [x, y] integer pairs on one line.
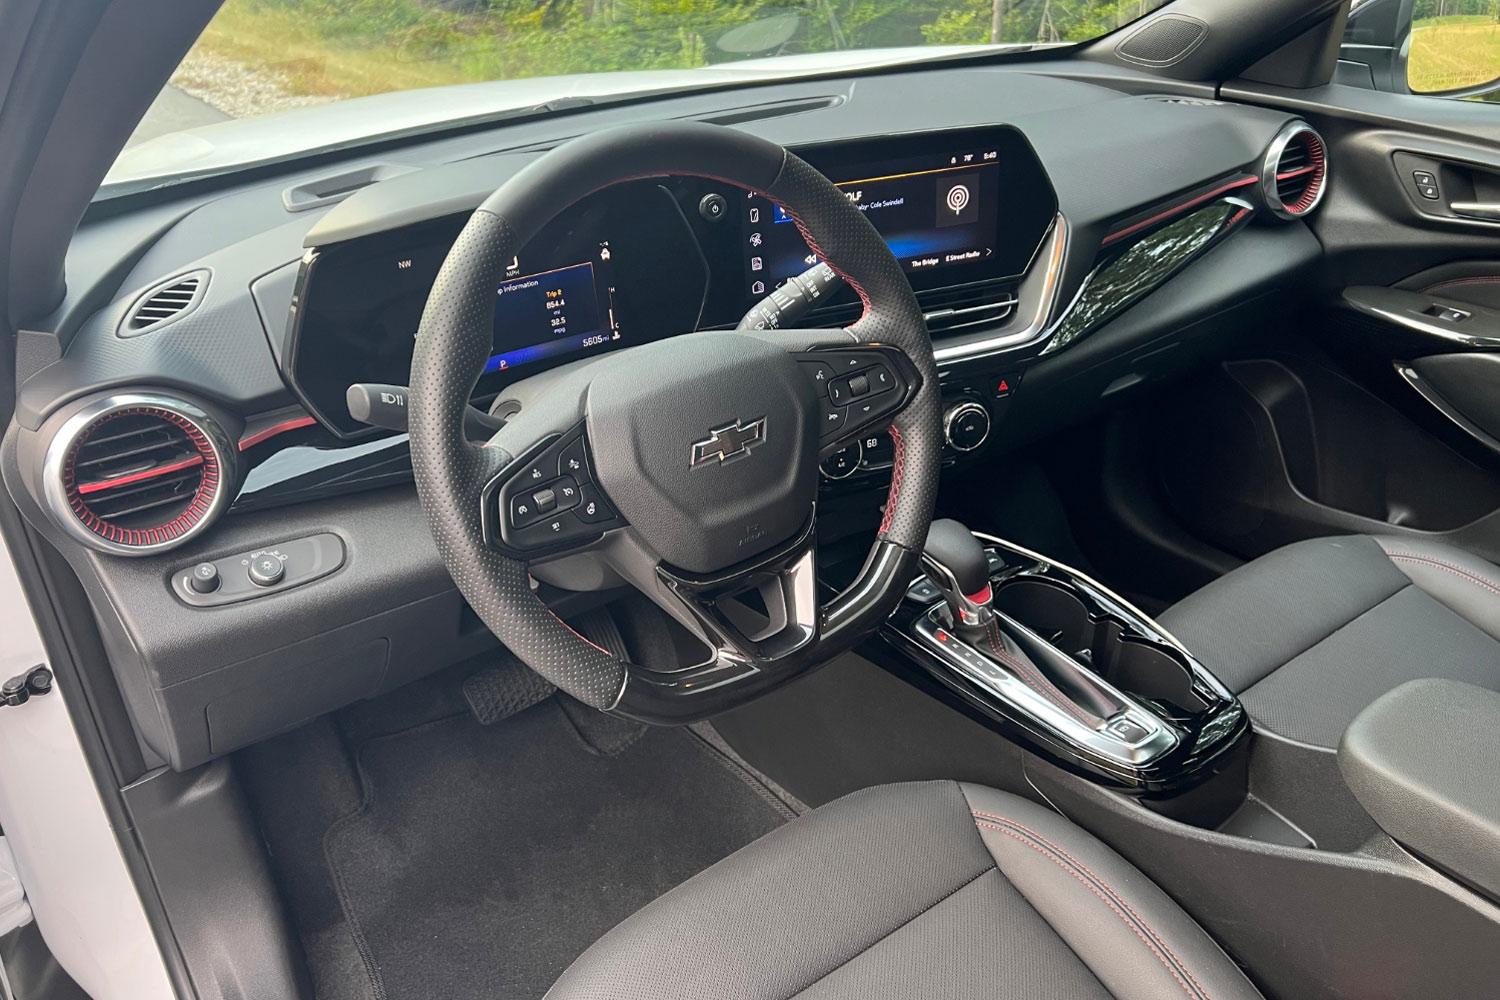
{"points": [[689, 465]]}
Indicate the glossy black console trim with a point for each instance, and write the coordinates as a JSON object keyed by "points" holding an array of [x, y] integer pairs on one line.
{"points": [[1207, 736]]}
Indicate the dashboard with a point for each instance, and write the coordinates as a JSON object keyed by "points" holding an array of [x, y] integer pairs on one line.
{"points": [[256, 556], [649, 259]]}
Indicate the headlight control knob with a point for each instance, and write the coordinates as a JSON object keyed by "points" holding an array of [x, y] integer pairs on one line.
{"points": [[966, 425]]}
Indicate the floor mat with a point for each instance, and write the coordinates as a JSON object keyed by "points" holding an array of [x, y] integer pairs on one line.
{"points": [[485, 859]]}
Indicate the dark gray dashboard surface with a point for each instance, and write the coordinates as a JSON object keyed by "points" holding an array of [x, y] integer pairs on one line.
{"points": [[202, 681], [1154, 148]]}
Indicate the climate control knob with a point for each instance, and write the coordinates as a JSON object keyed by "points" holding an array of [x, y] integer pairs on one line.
{"points": [[843, 463], [966, 425]]}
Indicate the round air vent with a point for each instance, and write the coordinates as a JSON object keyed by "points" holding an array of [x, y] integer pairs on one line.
{"points": [[1294, 173], [136, 474]]}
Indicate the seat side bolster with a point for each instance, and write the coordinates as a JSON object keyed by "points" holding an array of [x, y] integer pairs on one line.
{"points": [[1131, 935], [1468, 585]]}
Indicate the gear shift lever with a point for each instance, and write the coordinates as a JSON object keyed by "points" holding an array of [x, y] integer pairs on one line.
{"points": [[956, 564]]}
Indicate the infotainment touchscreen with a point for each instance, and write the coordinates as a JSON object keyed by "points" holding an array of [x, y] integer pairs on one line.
{"points": [[935, 211]]}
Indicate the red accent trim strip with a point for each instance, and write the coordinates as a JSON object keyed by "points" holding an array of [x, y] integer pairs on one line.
{"points": [[1288, 174], [139, 477], [981, 597], [296, 423], [1136, 227]]}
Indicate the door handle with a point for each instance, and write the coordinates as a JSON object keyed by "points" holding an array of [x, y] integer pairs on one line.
{"points": [[1489, 210]]}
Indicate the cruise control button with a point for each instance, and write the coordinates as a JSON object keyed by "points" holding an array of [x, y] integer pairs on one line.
{"points": [[571, 462], [523, 511], [557, 529], [533, 475], [566, 491], [591, 507]]}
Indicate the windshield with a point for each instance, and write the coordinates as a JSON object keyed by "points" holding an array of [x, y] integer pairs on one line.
{"points": [[260, 58]]}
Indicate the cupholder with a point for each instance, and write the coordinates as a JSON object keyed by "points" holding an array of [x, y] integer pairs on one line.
{"points": [[1148, 671], [1128, 661], [1049, 610]]}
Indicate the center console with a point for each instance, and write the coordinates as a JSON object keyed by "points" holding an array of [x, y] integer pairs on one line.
{"points": [[1056, 660]]}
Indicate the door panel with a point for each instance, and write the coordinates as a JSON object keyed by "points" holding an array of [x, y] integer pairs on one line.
{"points": [[1381, 411]]}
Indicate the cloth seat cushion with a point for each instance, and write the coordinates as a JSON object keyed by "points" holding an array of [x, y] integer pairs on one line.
{"points": [[935, 890]]}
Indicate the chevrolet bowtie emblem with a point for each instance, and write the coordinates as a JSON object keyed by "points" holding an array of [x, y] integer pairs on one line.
{"points": [[729, 442]]}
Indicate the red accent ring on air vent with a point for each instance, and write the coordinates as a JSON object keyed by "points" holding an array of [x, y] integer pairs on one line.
{"points": [[133, 474], [1295, 171]]}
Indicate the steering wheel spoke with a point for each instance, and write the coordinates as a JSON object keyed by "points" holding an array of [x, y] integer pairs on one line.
{"points": [[761, 614]]}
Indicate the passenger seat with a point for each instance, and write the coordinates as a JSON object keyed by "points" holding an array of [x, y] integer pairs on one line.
{"points": [[1310, 634]]}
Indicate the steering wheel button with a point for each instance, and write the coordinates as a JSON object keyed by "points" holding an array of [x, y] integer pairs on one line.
{"points": [[880, 379], [821, 373], [544, 500], [523, 511], [571, 461], [833, 420], [566, 492], [841, 391], [591, 507], [555, 529]]}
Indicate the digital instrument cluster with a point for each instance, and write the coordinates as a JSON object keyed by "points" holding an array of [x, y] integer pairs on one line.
{"points": [[658, 257]]}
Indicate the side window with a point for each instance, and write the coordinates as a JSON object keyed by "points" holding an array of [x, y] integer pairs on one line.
{"points": [[1437, 48]]}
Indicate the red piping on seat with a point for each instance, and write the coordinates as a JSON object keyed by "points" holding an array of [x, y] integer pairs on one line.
{"points": [[1143, 930]]}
